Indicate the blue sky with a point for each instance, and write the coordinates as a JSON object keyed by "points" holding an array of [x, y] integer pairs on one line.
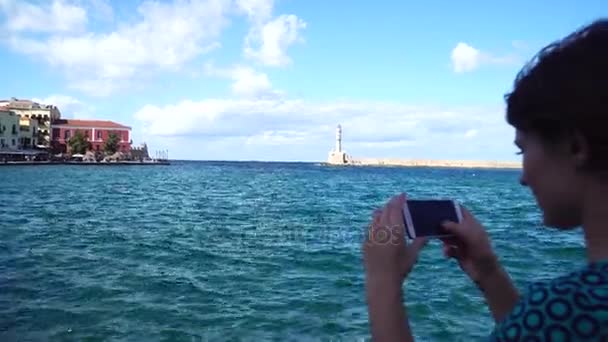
{"points": [[270, 80]]}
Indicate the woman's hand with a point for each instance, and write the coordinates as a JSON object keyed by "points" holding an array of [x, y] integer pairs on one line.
{"points": [[471, 246], [387, 255], [388, 259]]}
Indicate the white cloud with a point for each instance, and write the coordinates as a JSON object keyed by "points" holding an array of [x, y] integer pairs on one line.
{"points": [[257, 10], [288, 122], [268, 43], [466, 58], [55, 16], [470, 133], [247, 82], [294, 129], [387, 144], [70, 107], [277, 138], [166, 36]]}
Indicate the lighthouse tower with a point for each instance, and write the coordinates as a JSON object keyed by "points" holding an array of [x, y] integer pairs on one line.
{"points": [[337, 155], [339, 139]]}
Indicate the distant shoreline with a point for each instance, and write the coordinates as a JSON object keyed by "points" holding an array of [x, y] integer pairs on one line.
{"points": [[465, 164], [365, 162], [40, 163], [357, 163]]}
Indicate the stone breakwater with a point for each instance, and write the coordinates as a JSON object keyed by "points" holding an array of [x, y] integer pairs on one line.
{"points": [[429, 163]]}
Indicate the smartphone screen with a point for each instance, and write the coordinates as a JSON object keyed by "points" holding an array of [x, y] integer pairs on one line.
{"points": [[424, 217]]}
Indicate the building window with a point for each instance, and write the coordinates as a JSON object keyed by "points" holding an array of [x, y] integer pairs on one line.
{"points": [[13, 142], [99, 135], [14, 129], [1, 142], [67, 135]]}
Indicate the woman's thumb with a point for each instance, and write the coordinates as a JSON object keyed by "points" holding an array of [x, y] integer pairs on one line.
{"points": [[452, 228]]}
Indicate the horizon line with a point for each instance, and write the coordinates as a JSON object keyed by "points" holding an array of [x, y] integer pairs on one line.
{"points": [[324, 161]]}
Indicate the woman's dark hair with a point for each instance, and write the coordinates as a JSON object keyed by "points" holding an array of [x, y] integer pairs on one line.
{"points": [[564, 90]]}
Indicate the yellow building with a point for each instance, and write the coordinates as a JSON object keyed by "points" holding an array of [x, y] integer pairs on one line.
{"points": [[9, 129], [28, 132], [43, 114]]}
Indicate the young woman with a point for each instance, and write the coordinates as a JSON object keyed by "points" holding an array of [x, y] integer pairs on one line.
{"points": [[559, 109]]}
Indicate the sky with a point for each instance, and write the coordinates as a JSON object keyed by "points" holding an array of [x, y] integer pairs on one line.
{"points": [[271, 79]]}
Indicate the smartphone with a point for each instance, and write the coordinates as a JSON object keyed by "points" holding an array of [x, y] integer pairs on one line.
{"points": [[424, 217]]}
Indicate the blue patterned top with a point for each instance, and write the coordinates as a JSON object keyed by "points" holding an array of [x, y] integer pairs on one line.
{"points": [[573, 307]]}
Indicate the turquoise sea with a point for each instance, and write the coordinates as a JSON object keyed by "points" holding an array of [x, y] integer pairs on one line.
{"points": [[220, 251]]}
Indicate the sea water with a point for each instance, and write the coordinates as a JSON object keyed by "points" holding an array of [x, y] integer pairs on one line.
{"points": [[200, 251]]}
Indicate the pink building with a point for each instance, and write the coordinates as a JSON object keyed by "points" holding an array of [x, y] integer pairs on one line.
{"points": [[96, 131]]}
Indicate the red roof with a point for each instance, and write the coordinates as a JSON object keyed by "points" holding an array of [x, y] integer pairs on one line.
{"points": [[89, 123]]}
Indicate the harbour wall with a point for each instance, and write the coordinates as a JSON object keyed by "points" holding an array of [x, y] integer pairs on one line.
{"points": [[423, 163]]}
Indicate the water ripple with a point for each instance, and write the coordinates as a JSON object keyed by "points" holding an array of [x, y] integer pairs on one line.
{"points": [[240, 251]]}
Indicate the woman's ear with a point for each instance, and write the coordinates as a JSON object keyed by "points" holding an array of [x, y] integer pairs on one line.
{"points": [[579, 149]]}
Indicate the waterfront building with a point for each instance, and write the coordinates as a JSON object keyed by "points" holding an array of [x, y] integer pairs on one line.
{"points": [[97, 133], [43, 114], [140, 152], [9, 129], [28, 133]]}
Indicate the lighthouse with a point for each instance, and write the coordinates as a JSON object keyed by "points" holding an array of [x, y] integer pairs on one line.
{"points": [[339, 139], [337, 156]]}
